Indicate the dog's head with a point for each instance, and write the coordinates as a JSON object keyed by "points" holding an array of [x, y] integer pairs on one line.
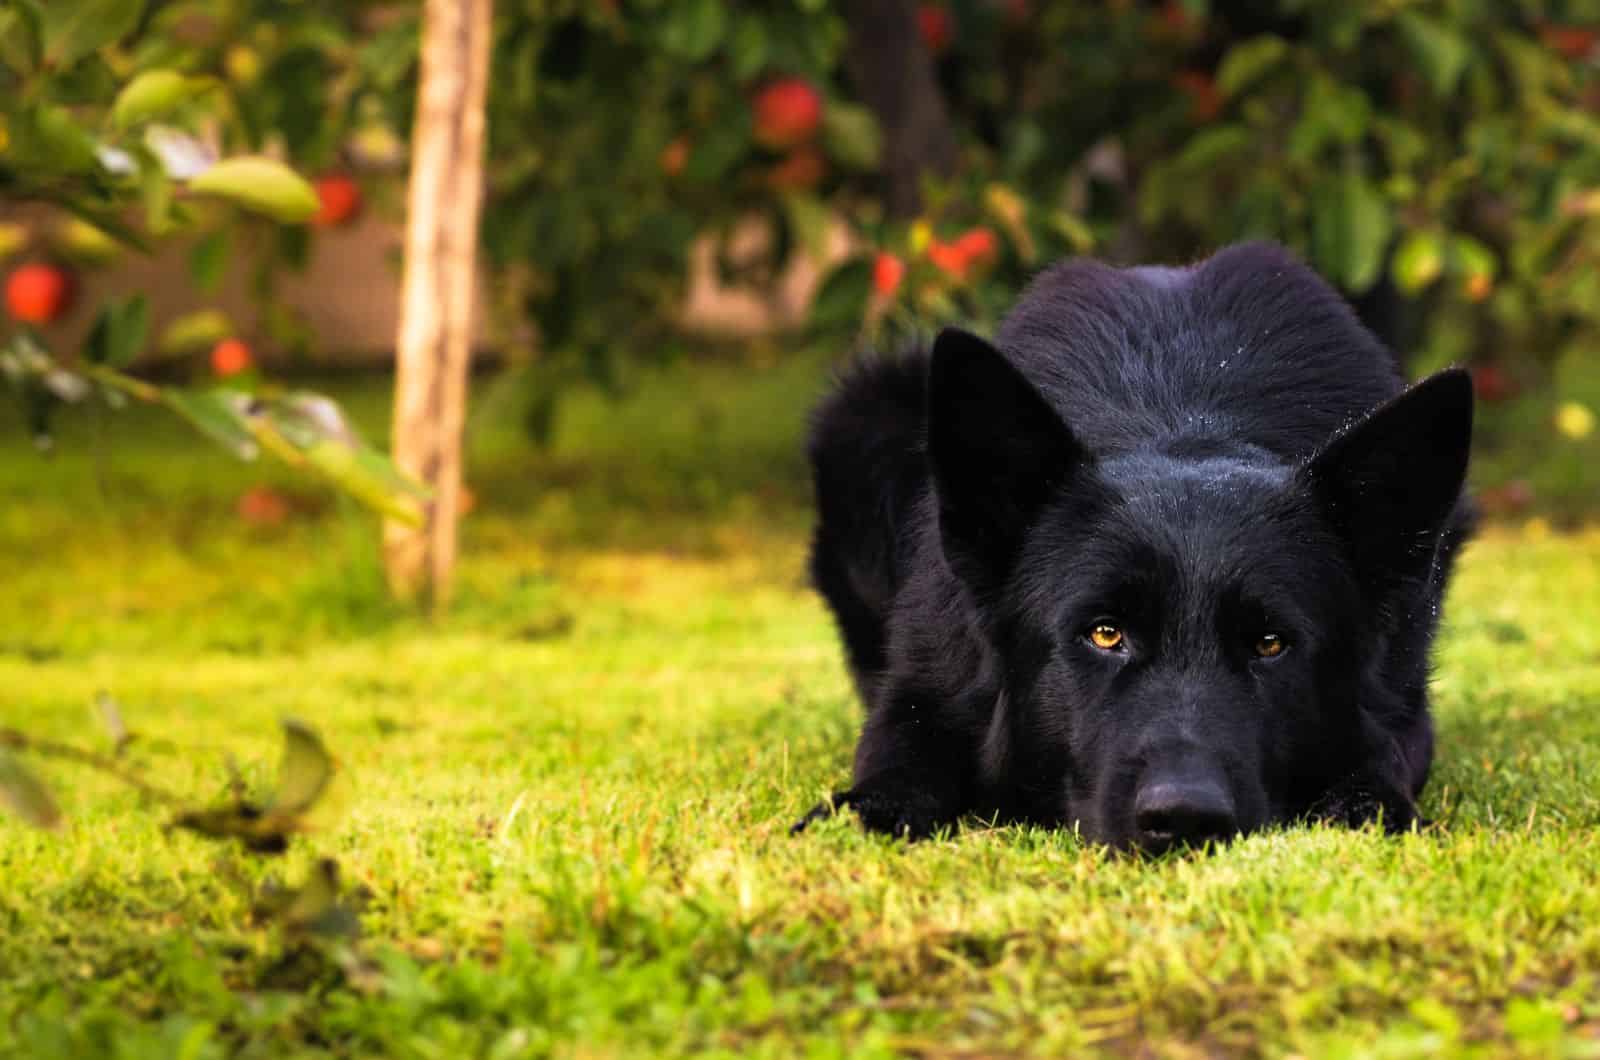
{"points": [[1184, 629]]}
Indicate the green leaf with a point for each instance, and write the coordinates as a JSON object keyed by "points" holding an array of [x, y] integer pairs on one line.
{"points": [[215, 413], [1211, 147], [105, 220], [694, 28], [1247, 61], [315, 909], [311, 429], [1440, 52], [119, 331], [842, 299], [74, 28], [747, 47], [208, 261], [1073, 229], [195, 331], [1472, 257], [850, 135], [1350, 228], [305, 772], [25, 793], [808, 216], [260, 833], [1418, 261], [47, 138], [19, 38], [259, 184], [152, 94], [722, 147]]}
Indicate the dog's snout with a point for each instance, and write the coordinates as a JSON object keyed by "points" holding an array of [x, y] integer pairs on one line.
{"points": [[1186, 808]]}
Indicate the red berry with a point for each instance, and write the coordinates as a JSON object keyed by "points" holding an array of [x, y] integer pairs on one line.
{"points": [[230, 357], [1509, 498], [1205, 101], [979, 246], [887, 272], [340, 200], [934, 23], [801, 171], [1572, 42], [787, 113], [1491, 384], [263, 506], [948, 258], [37, 293], [674, 157]]}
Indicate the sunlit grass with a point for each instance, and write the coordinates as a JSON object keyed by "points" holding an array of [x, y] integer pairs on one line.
{"points": [[570, 798]]}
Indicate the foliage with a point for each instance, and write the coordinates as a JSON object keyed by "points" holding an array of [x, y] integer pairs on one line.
{"points": [[1436, 158], [315, 912], [147, 125], [574, 831]]}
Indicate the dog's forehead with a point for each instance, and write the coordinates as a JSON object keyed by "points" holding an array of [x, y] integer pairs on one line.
{"points": [[1196, 517], [1200, 486]]}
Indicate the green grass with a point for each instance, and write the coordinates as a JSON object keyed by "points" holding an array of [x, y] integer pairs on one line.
{"points": [[569, 799]]}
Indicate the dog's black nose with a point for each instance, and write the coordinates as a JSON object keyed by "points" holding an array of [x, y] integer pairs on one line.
{"points": [[1173, 810]]}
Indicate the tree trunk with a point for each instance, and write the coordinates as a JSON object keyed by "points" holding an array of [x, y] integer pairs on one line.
{"points": [[434, 344], [891, 68]]}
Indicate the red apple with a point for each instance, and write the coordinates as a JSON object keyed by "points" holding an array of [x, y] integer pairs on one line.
{"points": [[801, 171], [1491, 384], [887, 272], [37, 293], [787, 113], [674, 157], [230, 357], [934, 23], [340, 200], [1205, 102]]}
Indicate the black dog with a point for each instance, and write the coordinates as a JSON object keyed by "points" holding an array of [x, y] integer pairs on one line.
{"points": [[1164, 562]]}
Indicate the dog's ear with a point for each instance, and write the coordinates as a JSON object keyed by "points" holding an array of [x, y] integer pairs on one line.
{"points": [[997, 450], [1389, 483]]}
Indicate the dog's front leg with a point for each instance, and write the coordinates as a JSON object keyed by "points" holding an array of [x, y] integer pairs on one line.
{"points": [[912, 775]]}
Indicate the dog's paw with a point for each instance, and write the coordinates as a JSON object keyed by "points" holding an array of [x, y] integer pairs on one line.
{"points": [[821, 811], [1360, 801], [902, 813]]}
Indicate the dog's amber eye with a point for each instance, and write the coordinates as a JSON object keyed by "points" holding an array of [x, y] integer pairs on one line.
{"points": [[1269, 645], [1105, 636]]}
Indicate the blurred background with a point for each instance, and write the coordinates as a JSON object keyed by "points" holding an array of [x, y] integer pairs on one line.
{"points": [[694, 208]]}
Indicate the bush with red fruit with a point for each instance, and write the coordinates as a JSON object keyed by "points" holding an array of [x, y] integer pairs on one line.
{"points": [[786, 113], [338, 201], [38, 293], [936, 27], [888, 272], [231, 357]]}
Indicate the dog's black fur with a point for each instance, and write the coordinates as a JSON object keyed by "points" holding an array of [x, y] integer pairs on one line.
{"points": [[1198, 459]]}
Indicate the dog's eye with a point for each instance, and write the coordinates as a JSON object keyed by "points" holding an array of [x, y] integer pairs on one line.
{"points": [[1269, 645], [1105, 636]]}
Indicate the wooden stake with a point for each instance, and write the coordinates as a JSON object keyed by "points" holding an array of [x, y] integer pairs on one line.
{"points": [[435, 341]]}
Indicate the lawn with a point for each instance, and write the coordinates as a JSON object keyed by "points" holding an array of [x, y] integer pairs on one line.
{"points": [[569, 799]]}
